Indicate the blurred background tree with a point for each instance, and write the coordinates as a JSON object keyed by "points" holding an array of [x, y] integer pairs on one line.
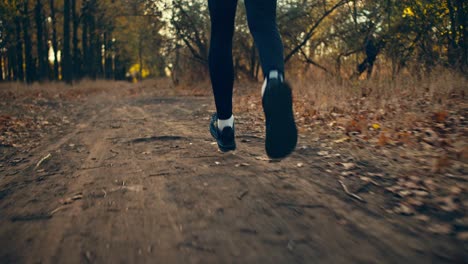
{"points": [[121, 39]]}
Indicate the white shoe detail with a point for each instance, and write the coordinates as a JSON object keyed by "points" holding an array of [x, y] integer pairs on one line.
{"points": [[264, 86]]}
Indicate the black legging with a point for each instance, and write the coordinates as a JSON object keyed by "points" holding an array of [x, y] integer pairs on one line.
{"points": [[261, 17]]}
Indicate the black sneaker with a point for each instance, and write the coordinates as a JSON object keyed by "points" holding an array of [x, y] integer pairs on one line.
{"points": [[281, 131], [226, 138]]}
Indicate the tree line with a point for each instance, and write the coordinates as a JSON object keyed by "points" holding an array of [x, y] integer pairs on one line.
{"points": [[69, 40], [342, 38]]}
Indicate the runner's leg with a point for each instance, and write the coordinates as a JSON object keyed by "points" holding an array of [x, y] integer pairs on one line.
{"points": [[222, 13], [281, 131], [261, 16]]}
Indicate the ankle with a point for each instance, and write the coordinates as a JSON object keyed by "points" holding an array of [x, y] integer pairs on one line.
{"points": [[273, 74], [222, 123]]}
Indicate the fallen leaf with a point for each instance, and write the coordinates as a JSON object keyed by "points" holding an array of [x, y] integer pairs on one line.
{"points": [[420, 193], [414, 202], [411, 185], [455, 190], [462, 222], [347, 173], [71, 199], [440, 116], [383, 139], [404, 209], [463, 236], [441, 163], [430, 136], [353, 126], [441, 229], [348, 165], [291, 245], [404, 193], [462, 154], [377, 175], [134, 188], [446, 203], [341, 140], [422, 218], [322, 153]]}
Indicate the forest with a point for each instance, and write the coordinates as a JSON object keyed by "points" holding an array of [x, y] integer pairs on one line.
{"points": [[68, 40]]}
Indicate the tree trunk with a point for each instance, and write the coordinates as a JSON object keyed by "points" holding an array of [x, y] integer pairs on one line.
{"points": [[92, 41], [140, 56], [104, 47], [462, 24], [67, 62], [30, 67], [452, 53], [8, 66], [76, 55], [84, 39], [45, 40], [2, 66], [54, 40], [98, 53], [41, 51], [19, 72]]}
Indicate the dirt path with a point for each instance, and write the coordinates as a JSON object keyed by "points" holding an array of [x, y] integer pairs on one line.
{"points": [[140, 181]]}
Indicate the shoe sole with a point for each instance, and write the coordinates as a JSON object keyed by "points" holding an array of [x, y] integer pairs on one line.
{"points": [[221, 147], [281, 131]]}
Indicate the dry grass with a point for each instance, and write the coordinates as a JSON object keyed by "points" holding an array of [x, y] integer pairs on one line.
{"points": [[396, 104], [399, 102], [84, 89], [327, 94], [58, 90]]}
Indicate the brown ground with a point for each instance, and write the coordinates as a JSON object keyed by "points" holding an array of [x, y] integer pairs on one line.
{"points": [[137, 179]]}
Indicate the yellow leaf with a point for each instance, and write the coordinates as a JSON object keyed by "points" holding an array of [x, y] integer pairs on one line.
{"points": [[408, 12], [383, 139], [376, 126]]}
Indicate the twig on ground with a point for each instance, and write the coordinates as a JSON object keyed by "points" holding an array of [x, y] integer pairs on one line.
{"points": [[159, 174], [90, 168], [355, 196], [42, 160], [198, 157], [300, 205], [116, 153], [50, 174], [113, 151], [70, 200], [251, 136], [457, 177], [112, 138], [58, 209], [12, 173], [242, 194]]}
